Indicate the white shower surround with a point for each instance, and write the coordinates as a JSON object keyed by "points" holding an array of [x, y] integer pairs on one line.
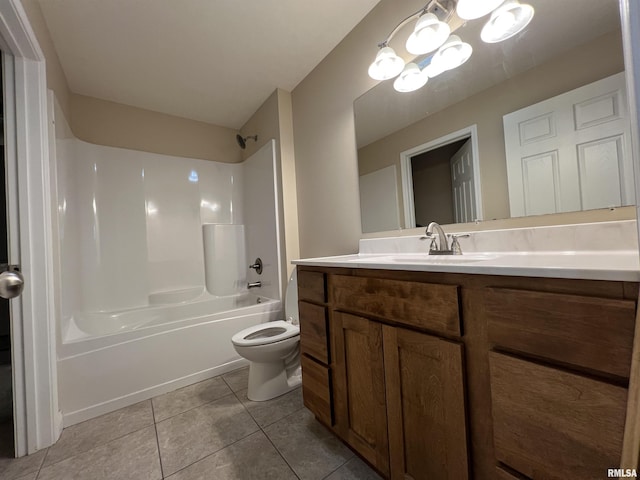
{"points": [[131, 228]]}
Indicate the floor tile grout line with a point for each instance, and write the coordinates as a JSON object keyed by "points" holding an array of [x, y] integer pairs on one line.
{"points": [[221, 448], [41, 464], [260, 429], [221, 376], [155, 429], [272, 422], [278, 450], [217, 451], [337, 468], [193, 408], [44, 459], [94, 447], [225, 380]]}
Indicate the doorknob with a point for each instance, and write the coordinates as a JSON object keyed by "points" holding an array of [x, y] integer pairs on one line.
{"points": [[11, 283]]}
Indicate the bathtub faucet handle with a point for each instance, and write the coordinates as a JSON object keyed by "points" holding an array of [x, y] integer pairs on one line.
{"points": [[257, 265], [254, 284]]}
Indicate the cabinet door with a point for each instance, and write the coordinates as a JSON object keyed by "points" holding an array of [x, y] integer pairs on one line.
{"points": [[425, 405], [360, 409]]}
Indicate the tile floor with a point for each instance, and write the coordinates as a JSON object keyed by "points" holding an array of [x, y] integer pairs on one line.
{"points": [[209, 430]]}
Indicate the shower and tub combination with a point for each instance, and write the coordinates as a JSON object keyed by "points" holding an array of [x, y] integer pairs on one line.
{"points": [[154, 268]]}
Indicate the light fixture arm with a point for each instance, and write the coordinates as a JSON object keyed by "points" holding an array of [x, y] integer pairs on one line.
{"points": [[449, 9]]}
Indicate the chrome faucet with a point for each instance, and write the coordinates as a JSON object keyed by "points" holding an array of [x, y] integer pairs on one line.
{"points": [[442, 246]]}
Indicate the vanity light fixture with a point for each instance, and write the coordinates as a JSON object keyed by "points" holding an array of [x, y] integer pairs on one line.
{"points": [[452, 54], [506, 21], [433, 32], [429, 34], [411, 78], [386, 65]]}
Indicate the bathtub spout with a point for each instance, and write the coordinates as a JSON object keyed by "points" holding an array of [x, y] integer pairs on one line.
{"points": [[254, 284]]}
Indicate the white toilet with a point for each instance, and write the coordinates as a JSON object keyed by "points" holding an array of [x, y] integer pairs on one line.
{"points": [[273, 350]]}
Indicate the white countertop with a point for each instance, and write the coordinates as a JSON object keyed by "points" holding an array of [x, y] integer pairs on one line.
{"points": [[618, 265]]}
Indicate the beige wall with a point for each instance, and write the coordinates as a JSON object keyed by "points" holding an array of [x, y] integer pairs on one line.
{"points": [[273, 120], [486, 109], [56, 79], [112, 124], [116, 125], [325, 147]]}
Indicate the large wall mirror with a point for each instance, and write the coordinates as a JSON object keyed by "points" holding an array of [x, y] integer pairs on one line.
{"points": [[537, 124]]}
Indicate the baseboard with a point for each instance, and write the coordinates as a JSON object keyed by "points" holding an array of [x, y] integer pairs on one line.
{"points": [[71, 418]]}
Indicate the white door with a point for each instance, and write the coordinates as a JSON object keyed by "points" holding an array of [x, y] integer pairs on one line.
{"points": [[571, 152], [463, 185]]}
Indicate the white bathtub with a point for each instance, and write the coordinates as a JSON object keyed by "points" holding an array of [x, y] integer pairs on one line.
{"points": [[109, 360]]}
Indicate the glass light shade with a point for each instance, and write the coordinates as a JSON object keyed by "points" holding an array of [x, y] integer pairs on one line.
{"points": [[505, 22], [452, 54], [428, 35], [471, 9], [411, 78], [386, 65]]}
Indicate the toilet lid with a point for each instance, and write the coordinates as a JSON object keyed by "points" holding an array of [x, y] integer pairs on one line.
{"points": [[265, 333]]}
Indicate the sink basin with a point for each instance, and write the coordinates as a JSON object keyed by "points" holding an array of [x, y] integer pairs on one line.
{"points": [[425, 259]]}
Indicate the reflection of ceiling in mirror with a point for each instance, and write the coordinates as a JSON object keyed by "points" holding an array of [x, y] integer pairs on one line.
{"points": [[558, 26]]}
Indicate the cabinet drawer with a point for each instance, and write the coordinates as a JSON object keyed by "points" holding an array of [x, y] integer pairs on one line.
{"points": [[425, 305], [316, 390], [548, 420], [313, 331], [594, 333], [311, 286]]}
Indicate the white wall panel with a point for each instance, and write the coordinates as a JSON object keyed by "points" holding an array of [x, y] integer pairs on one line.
{"points": [[261, 219]]}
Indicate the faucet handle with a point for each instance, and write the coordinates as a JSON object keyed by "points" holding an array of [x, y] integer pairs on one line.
{"points": [[455, 245], [430, 236]]}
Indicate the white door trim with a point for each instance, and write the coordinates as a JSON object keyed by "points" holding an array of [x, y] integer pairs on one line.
{"points": [[407, 178], [38, 423]]}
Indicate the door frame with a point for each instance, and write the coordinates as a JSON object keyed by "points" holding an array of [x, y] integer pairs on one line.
{"points": [[37, 420], [630, 23], [408, 205]]}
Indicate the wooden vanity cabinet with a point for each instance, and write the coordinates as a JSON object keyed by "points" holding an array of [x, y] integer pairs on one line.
{"points": [[559, 366], [400, 399], [314, 345], [425, 406], [396, 393], [452, 376], [361, 411]]}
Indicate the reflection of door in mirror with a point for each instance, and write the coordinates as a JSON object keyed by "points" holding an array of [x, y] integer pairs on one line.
{"points": [[434, 194], [439, 180], [571, 152]]}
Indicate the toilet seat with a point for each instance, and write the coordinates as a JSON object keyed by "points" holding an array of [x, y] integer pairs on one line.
{"points": [[265, 333]]}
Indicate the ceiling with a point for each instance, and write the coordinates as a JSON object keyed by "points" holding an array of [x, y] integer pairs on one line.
{"points": [[215, 61]]}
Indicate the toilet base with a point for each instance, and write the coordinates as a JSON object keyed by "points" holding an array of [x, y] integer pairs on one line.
{"points": [[270, 380]]}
